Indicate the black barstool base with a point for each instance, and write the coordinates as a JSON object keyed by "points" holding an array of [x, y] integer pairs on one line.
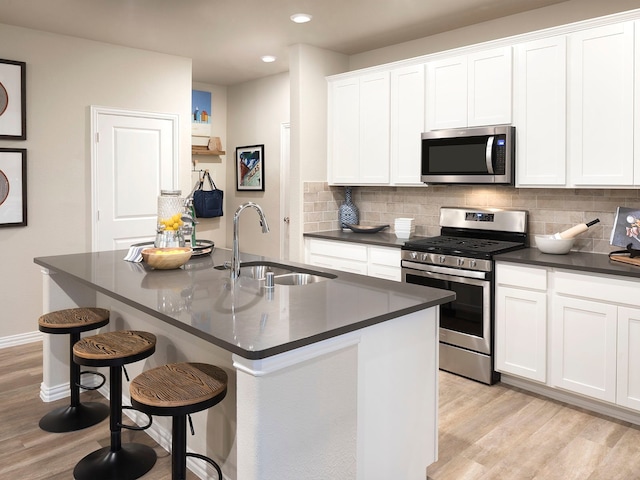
{"points": [[70, 419], [131, 461]]}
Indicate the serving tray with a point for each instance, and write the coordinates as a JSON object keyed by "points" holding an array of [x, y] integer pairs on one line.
{"points": [[202, 247], [365, 228]]}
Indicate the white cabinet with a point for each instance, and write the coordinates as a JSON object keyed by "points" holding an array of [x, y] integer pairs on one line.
{"points": [[348, 257], [540, 87], [521, 321], [359, 130], [407, 124], [584, 347], [601, 106], [470, 90], [628, 392], [384, 262], [582, 329], [371, 260]]}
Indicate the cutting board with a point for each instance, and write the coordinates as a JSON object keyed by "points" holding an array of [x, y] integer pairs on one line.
{"points": [[629, 260]]}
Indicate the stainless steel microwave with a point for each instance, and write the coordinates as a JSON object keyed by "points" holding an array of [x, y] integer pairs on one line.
{"points": [[482, 155]]}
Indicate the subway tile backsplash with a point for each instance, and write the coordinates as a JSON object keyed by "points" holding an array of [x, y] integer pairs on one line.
{"points": [[550, 209]]}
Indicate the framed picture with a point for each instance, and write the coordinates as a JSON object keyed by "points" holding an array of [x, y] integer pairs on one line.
{"points": [[250, 168], [13, 107], [13, 187]]}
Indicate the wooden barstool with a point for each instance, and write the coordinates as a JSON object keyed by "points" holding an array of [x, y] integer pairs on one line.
{"points": [[178, 390], [77, 415], [114, 350]]}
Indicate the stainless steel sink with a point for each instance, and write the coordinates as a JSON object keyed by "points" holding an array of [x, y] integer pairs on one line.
{"points": [[283, 274], [298, 278]]}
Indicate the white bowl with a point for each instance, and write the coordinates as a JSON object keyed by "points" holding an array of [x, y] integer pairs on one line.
{"points": [[403, 235], [555, 246]]}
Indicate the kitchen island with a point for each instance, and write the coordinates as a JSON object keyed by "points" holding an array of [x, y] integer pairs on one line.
{"points": [[334, 379]]}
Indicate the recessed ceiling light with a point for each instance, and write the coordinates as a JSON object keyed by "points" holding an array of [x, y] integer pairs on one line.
{"points": [[301, 18], [268, 58]]}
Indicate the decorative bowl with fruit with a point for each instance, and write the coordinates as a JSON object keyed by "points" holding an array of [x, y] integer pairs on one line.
{"points": [[166, 258]]}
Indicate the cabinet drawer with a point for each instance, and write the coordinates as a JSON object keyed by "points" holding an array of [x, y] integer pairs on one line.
{"points": [[336, 263], [609, 289], [385, 256], [338, 249], [521, 276]]}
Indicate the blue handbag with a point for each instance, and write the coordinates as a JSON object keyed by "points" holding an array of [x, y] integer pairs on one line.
{"points": [[208, 203]]}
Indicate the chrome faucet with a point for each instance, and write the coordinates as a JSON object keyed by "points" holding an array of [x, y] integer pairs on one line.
{"points": [[235, 258]]}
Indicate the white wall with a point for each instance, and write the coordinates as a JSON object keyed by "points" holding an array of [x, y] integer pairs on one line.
{"points": [[214, 229], [256, 110], [66, 75], [308, 68], [539, 19]]}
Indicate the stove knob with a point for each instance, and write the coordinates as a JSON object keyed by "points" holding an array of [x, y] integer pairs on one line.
{"points": [[472, 263], [413, 255], [425, 257], [442, 258], [460, 262]]}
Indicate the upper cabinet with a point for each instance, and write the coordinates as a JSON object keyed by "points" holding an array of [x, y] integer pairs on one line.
{"points": [[359, 130], [470, 90], [573, 94], [407, 124], [601, 106], [540, 93]]}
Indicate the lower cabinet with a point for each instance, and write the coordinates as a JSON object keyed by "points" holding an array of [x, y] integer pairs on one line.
{"points": [[371, 260], [583, 342], [628, 391], [571, 331]]}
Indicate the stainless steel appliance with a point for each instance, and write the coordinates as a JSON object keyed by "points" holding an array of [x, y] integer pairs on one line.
{"points": [[461, 259], [483, 155]]}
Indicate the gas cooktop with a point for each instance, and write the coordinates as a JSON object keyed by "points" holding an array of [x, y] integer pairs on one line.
{"points": [[448, 245]]}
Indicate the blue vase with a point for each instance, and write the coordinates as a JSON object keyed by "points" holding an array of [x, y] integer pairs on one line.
{"points": [[348, 212]]}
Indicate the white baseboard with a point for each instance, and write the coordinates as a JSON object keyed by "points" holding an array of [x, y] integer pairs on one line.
{"points": [[577, 400], [20, 339]]}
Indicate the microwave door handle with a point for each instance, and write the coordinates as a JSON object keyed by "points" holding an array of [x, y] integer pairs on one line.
{"points": [[488, 154]]}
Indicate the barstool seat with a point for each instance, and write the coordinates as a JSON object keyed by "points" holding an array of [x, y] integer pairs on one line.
{"points": [[177, 390], [77, 415], [118, 461]]}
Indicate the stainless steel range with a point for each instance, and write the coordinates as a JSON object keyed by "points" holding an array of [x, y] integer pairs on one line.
{"points": [[461, 259]]}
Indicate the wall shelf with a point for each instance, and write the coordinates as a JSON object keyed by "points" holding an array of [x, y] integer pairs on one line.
{"points": [[197, 151]]}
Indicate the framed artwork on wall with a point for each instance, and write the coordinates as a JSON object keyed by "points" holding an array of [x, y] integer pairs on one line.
{"points": [[13, 187], [250, 168], [13, 107]]}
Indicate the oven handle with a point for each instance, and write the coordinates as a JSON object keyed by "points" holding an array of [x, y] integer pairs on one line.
{"points": [[444, 273]]}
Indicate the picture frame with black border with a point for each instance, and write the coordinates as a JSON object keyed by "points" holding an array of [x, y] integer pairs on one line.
{"points": [[13, 103], [250, 168], [13, 187]]}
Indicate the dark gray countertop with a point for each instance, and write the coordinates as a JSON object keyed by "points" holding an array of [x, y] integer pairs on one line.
{"points": [[584, 262], [244, 319], [382, 239]]}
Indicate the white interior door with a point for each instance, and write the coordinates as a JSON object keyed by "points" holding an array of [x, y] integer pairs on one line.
{"points": [[134, 156]]}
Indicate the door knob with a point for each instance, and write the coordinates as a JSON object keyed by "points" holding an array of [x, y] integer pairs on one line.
{"points": [[286, 220]]}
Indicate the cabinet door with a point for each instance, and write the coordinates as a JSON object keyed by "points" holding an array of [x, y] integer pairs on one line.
{"points": [[374, 128], [583, 343], [601, 105], [489, 87], [521, 333], [385, 262], [344, 131], [447, 93], [540, 86], [407, 123], [629, 357], [348, 257]]}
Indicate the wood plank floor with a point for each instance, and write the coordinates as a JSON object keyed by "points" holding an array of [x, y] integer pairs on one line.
{"points": [[503, 433], [486, 433], [28, 453]]}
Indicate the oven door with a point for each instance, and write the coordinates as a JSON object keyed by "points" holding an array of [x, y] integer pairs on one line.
{"points": [[465, 322]]}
